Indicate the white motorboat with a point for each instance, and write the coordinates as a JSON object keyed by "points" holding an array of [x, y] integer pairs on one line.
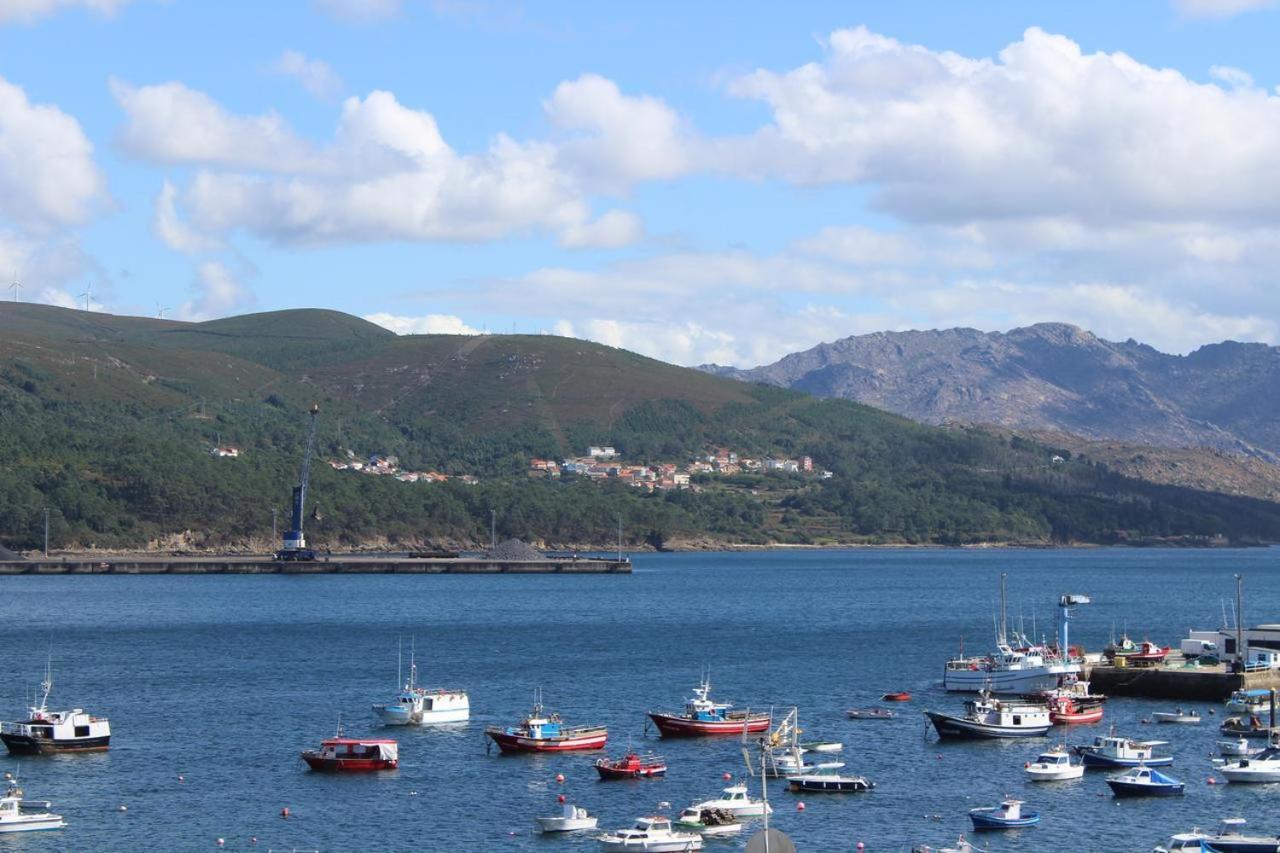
{"points": [[1249, 701], [49, 732], [1115, 751], [19, 816], [1229, 839], [573, 819], [736, 802], [715, 823], [985, 717], [419, 706], [962, 845], [1018, 665], [1176, 716], [1258, 769], [1238, 747], [829, 782], [653, 834], [822, 746], [1054, 766]]}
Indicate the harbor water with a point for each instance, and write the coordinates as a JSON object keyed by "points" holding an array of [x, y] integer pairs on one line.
{"points": [[214, 684]]}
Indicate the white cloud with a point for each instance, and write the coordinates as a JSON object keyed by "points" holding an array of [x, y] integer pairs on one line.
{"points": [[48, 178], [29, 10], [429, 324], [359, 11], [1236, 77], [218, 293], [175, 233], [1220, 8], [387, 175], [314, 75], [61, 298]]}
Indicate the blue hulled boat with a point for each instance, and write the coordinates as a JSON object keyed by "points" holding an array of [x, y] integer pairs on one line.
{"points": [[1145, 782], [1115, 751], [1008, 815]]}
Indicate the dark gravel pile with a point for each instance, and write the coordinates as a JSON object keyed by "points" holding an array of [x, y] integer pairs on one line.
{"points": [[6, 554], [514, 549]]}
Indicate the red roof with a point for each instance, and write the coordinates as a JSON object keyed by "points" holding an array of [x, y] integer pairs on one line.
{"points": [[355, 740]]}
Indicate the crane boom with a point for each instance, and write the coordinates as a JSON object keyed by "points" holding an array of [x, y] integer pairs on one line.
{"points": [[295, 543]]}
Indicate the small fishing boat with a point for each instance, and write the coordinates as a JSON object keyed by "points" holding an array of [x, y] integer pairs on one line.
{"points": [[709, 823], [1053, 766], [572, 819], [1008, 815], [1228, 839], [1065, 710], [18, 815], [985, 717], [1145, 782], [829, 783], [1251, 726], [870, 714], [631, 766], [1238, 747], [1130, 652], [544, 732], [46, 732], [653, 835], [701, 716], [899, 696], [736, 802], [1257, 769], [1177, 716], [418, 706], [1249, 701], [827, 746], [962, 845], [1114, 751], [341, 754]]}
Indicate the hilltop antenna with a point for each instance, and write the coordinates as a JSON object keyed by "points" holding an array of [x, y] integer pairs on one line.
{"points": [[16, 286]]}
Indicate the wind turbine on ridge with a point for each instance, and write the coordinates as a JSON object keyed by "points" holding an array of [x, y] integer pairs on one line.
{"points": [[15, 287], [88, 295]]}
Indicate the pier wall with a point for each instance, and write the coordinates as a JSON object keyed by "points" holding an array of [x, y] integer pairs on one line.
{"points": [[333, 565], [1207, 684]]}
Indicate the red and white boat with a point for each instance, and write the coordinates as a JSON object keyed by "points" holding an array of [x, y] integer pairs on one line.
{"points": [[543, 732], [701, 716], [353, 755], [1065, 710], [632, 766], [1145, 652]]}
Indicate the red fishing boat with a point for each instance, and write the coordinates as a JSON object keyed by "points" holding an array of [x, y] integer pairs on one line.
{"points": [[900, 696], [353, 755], [632, 766], [543, 732], [701, 716], [1066, 710], [1145, 652]]}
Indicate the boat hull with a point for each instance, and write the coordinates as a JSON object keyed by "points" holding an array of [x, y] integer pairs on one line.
{"points": [[1090, 759], [961, 729], [1129, 789], [1056, 774], [818, 785], [651, 846], [32, 823], [518, 743], [632, 773], [1022, 681], [565, 824], [983, 821], [1247, 776], [348, 765], [27, 745], [674, 725], [1091, 715], [393, 715]]}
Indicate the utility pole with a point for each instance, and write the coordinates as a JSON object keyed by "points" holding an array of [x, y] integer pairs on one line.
{"points": [[1240, 655], [493, 530], [273, 524], [619, 539], [46, 533]]}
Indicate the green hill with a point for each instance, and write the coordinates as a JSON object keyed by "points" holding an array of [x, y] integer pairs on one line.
{"points": [[109, 422]]}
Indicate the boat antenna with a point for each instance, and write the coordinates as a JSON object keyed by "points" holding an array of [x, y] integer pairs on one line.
{"points": [[47, 684], [413, 662], [339, 733]]}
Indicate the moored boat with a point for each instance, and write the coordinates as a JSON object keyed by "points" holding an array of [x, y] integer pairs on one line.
{"points": [[701, 717], [18, 815], [1262, 768], [1144, 653], [1251, 727], [898, 696], [1114, 751], [821, 746], [631, 766], [962, 845], [1008, 815], [829, 783], [46, 732], [985, 717], [1238, 747], [1228, 839], [1177, 716], [1145, 782], [736, 801], [711, 823], [1249, 701], [869, 714], [353, 755], [544, 732], [653, 835], [1053, 765], [571, 819], [419, 706], [1065, 710]]}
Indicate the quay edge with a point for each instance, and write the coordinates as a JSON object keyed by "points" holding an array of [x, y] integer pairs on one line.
{"points": [[1214, 684], [330, 565]]}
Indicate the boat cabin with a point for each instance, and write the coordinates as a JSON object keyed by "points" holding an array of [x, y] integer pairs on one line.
{"points": [[1123, 747], [647, 827], [1054, 759], [701, 708], [347, 749], [59, 725]]}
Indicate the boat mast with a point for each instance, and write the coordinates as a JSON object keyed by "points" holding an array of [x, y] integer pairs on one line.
{"points": [[1004, 613], [399, 661]]}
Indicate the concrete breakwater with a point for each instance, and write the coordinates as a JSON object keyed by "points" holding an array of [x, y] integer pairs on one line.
{"points": [[1209, 683], [335, 564]]}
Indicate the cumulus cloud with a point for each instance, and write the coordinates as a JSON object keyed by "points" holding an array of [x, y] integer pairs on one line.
{"points": [[428, 324], [27, 11], [175, 233], [314, 75], [388, 174], [1220, 8], [48, 177], [218, 293]]}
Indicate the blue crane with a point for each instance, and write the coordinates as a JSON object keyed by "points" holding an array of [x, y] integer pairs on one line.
{"points": [[295, 543]]}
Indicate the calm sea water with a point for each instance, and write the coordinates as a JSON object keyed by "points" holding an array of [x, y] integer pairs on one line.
{"points": [[223, 680]]}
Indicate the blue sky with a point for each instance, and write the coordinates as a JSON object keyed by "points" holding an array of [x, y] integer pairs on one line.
{"points": [[699, 182]]}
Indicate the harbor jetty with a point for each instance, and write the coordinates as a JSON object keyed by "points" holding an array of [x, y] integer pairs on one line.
{"points": [[1209, 683], [329, 564]]}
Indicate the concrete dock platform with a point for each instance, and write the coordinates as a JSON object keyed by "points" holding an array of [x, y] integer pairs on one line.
{"points": [[1204, 683], [333, 564]]}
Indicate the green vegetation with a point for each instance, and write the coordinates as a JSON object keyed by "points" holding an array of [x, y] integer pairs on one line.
{"points": [[108, 422]]}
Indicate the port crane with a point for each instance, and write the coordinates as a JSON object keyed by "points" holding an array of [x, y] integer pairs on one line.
{"points": [[295, 543]]}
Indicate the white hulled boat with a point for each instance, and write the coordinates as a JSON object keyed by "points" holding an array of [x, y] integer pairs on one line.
{"points": [[571, 819], [1018, 665], [1054, 766], [45, 731], [736, 802], [17, 816], [1229, 839], [653, 835], [985, 717], [1258, 769], [419, 706]]}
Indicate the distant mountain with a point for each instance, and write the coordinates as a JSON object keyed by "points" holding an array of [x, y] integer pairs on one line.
{"points": [[1050, 376]]}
